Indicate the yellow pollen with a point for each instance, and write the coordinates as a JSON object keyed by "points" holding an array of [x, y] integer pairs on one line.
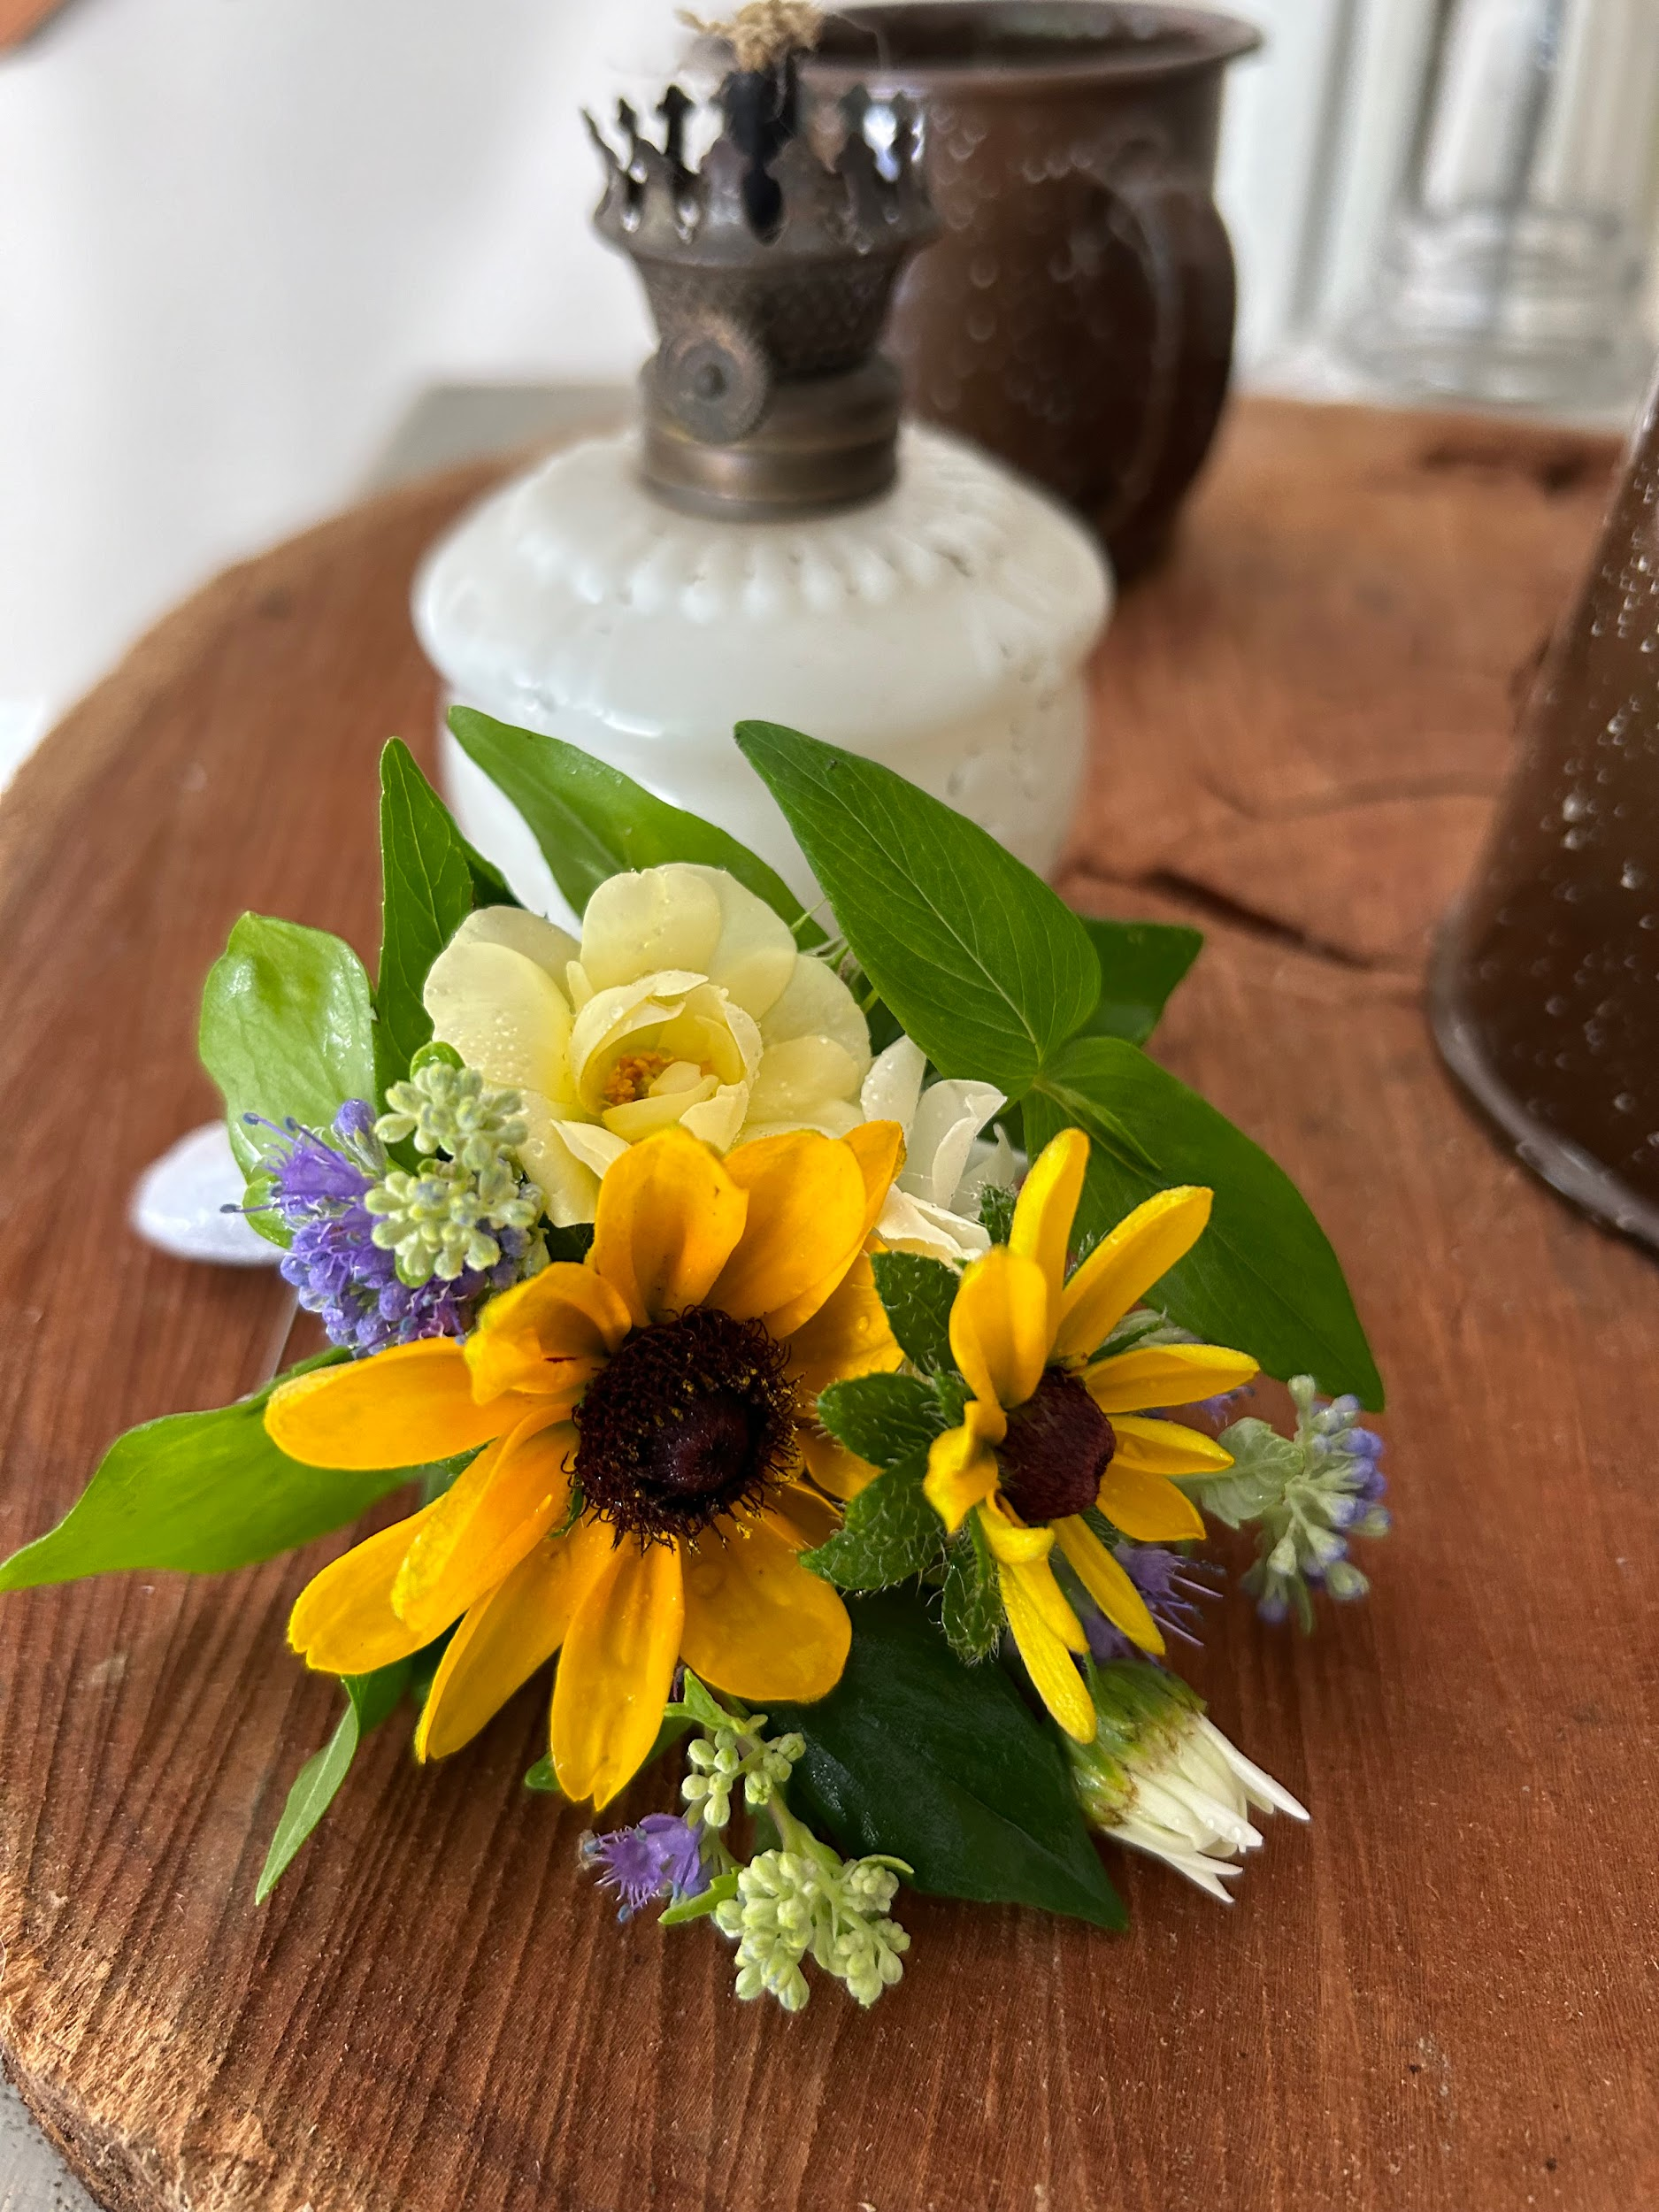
{"points": [[634, 1075]]}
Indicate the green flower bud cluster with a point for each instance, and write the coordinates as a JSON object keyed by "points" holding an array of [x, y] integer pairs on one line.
{"points": [[797, 1898], [790, 1903], [449, 1216], [719, 1761]]}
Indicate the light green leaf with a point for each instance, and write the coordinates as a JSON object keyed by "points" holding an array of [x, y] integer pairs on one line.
{"points": [[973, 1612], [1140, 963], [917, 1295], [543, 1779], [1263, 1278], [287, 1029], [591, 821], [198, 1494], [883, 1418], [889, 1534], [370, 1699], [428, 888], [699, 1908], [988, 969]]}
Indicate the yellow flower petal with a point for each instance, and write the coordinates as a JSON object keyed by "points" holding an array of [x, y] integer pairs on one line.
{"points": [[616, 1669], [506, 1636], [832, 1466], [961, 1472], [1118, 1272], [804, 1519], [1046, 1207], [999, 1326], [759, 1624], [549, 1335], [1107, 1584], [849, 1335], [1165, 1375], [1149, 1508], [403, 1407], [1166, 1447], [805, 1225], [669, 1220], [1048, 1661], [1010, 1540], [877, 1149], [493, 1513], [343, 1621]]}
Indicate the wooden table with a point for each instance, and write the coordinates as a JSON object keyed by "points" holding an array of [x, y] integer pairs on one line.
{"points": [[1441, 1996]]}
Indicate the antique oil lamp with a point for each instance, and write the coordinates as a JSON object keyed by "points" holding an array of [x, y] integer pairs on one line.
{"points": [[771, 540]]}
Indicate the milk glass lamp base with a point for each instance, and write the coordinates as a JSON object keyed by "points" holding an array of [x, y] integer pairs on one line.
{"points": [[941, 629]]}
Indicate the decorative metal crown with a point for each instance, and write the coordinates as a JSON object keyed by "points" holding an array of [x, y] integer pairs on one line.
{"points": [[775, 260]]}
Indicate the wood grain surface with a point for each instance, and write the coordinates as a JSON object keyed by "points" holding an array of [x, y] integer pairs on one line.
{"points": [[1442, 1994]]}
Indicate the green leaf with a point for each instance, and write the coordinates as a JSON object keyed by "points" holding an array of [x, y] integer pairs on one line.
{"points": [[543, 1779], [1140, 963], [699, 1908], [917, 1295], [1263, 1278], [199, 1493], [1263, 1463], [883, 1418], [370, 1699], [996, 1212], [988, 971], [591, 821], [890, 1532], [941, 1765], [287, 1029], [973, 1611], [426, 892]]}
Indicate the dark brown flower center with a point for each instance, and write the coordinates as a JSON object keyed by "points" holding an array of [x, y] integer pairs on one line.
{"points": [[1057, 1449], [689, 1419]]}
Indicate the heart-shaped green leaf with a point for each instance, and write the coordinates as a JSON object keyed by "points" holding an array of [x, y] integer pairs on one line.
{"points": [[591, 821], [988, 969], [1263, 1278]]}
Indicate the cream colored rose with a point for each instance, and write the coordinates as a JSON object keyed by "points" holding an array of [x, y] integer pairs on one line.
{"points": [[686, 1001], [934, 1208]]}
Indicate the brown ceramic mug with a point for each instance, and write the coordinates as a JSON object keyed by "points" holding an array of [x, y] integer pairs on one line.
{"points": [[1076, 317]]}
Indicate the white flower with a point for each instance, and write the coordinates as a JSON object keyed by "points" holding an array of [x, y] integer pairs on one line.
{"points": [[686, 1001], [934, 1208], [1161, 1777]]}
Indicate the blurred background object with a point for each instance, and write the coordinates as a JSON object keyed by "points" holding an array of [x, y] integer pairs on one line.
{"points": [[238, 243], [1546, 997], [1512, 267], [1077, 316], [20, 17]]}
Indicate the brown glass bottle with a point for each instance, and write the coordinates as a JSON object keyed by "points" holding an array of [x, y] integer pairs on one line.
{"points": [[1546, 994]]}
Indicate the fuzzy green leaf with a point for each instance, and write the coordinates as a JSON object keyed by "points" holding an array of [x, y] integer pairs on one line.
{"points": [[591, 821], [370, 1699], [971, 1614], [914, 1755], [1140, 963], [1262, 1277], [917, 1295], [288, 1028], [890, 1534], [988, 969], [430, 880], [882, 1418], [199, 1493]]}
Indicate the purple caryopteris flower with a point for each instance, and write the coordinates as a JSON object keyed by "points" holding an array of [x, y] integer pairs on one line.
{"points": [[662, 1857], [317, 1187], [1170, 1582]]}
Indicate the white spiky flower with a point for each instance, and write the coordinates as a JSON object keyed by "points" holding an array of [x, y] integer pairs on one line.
{"points": [[1161, 1777]]}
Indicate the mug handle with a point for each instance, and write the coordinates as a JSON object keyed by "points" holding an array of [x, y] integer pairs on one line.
{"points": [[1187, 256]]}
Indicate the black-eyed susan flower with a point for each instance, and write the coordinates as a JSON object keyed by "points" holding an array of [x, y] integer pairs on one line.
{"points": [[1055, 1427], [640, 1494]]}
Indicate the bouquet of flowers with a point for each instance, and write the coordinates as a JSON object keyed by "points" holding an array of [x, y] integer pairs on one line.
{"points": [[815, 1337]]}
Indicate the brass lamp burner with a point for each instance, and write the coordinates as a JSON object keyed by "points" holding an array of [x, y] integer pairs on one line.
{"points": [[769, 271]]}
